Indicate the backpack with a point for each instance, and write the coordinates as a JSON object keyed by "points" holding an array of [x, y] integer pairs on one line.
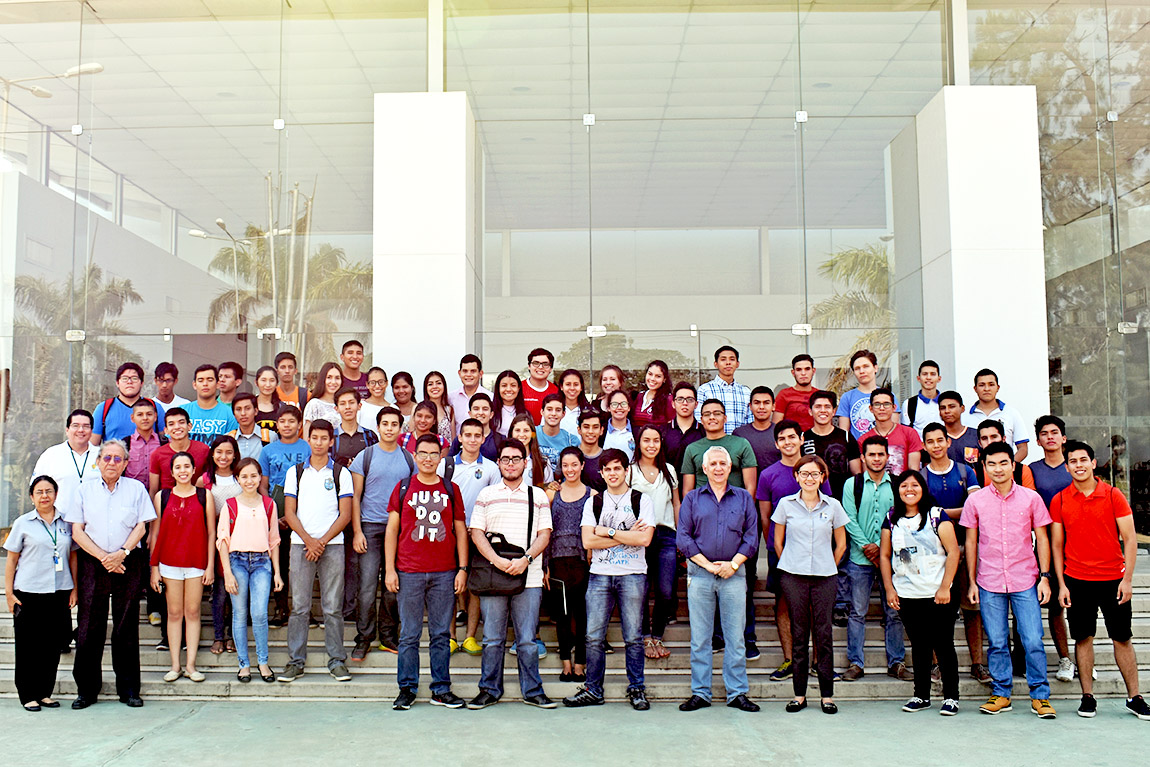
{"points": [[336, 470], [449, 468], [369, 439], [597, 504], [108, 404], [234, 510], [406, 457], [934, 515], [912, 409]]}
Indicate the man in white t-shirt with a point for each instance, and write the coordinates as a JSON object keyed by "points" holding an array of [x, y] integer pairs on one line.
{"points": [[617, 535], [317, 507], [990, 407], [522, 515], [922, 408]]}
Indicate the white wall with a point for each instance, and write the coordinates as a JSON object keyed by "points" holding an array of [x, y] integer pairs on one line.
{"points": [[424, 220], [976, 178]]}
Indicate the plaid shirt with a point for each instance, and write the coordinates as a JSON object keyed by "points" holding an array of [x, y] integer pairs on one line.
{"points": [[735, 397]]}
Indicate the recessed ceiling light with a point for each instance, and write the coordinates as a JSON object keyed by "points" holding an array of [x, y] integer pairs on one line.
{"points": [[521, 89], [527, 138], [822, 85], [226, 95]]}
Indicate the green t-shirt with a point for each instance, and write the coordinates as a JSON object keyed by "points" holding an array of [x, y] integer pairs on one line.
{"points": [[742, 457]]}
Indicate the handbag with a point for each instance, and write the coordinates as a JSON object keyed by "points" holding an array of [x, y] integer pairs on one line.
{"points": [[486, 579]]}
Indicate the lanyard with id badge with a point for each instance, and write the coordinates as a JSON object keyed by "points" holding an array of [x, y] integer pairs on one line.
{"points": [[54, 534]]}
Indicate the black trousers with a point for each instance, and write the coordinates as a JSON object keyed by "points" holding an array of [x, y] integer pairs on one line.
{"points": [[567, 604], [811, 600], [97, 586], [38, 630], [281, 597], [930, 627]]}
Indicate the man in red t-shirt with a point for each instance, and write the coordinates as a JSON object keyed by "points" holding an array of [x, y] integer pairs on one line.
{"points": [[538, 384], [1094, 548], [903, 444], [160, 464], [794, 402], [425, 555]]}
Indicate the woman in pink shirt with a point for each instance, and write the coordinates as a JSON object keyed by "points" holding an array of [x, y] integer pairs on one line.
{"points": [[248, 538]]}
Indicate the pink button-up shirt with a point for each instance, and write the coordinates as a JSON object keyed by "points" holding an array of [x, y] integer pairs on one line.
{"points": [[1006, 561], [139, 455]]}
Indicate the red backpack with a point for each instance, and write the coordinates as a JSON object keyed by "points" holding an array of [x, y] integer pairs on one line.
{"points": [[234, 510]]}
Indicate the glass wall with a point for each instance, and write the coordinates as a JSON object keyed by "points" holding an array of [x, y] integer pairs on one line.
{"points": [[1088, 61], [191, 181]]}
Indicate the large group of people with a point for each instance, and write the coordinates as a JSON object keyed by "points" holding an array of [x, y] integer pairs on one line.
{"points": [[471, 505]]}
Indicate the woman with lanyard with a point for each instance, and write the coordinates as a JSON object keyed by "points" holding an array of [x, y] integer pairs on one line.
{"points": [[321, 400], [650, 474], [538, 471], [918, 558], [508, 401], [403, 388], [423, 421], [40, 586], [435, 391], [219, 479], [619, 434], [183, 558], [565, 578], [653, 404], [267, 399], [610, 380], [574, 400], [248, 537], [810, 540]]}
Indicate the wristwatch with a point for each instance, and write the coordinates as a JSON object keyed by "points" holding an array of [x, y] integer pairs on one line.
{"points": [[734, 565], [530, 558], [126, 552], [1044, 575], [610, 532], [464, 568]]}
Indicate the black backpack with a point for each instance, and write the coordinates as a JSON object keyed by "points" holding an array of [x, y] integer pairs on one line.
{"points": [[335, 472], [859, 480], [597, 504], [201, 496]]}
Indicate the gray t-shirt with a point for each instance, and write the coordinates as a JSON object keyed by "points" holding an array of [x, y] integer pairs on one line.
{"points": [[617, 513], [810, 542], [387, 471]]}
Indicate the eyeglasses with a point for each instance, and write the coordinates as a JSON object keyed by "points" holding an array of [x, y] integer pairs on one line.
{"points": [[423, 455], [881, 405], [714, 414], [376, 383], [167, 380], [112, 458], [618, 405], [684, 400], [810, 475], [130, 379], [535, 364], [511, 460]]}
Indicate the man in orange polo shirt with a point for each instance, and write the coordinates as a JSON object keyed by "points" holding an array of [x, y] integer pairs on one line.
{"points": [[1095, 570]]}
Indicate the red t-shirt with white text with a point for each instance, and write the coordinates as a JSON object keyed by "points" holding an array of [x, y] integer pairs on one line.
{"points": [[427, 527]]}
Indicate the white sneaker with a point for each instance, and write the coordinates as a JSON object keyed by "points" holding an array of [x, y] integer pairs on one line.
{"points": [[1065, 670], [154, 619]]}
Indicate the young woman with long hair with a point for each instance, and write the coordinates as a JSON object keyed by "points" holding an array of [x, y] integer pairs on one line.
{"points": [[403, 389], [267, 398], [435, 390], [538, 471], [610, 380], [574, 399], [566, 575], [653, 404], [219, 479], [423, 421], [507, 402], [321, 400]]}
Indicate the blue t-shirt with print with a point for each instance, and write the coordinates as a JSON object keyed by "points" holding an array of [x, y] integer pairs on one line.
{"points": [[278, 457], [855, 405], [205, 424], [552, 446], [118, 422]]}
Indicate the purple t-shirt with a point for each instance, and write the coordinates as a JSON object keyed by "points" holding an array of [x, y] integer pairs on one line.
{"points": [[777, 482]]}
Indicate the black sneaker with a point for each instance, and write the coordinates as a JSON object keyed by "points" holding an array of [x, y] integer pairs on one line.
{"points": [[839, 617], [404, 700], [694, 703], [753, 651], [607, 649], [638, 698], [1137, 706], [447, 700], [718, 645], [916, 704], [1088, 707], [540, 701], [583, 697], [162, 646], [482, 700], [461, 618], [362, 648]]}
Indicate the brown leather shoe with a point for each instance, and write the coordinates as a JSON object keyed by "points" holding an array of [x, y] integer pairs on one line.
{"points": [[853, 672], [901, 672]]}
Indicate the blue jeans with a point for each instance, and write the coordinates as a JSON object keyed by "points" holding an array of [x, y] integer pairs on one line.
{"points": [[1028, 615], [843, 587], [436, 592], [603, 593], [523, 611], [862, 578], [704, 592], [253, 574], [662, 569]]}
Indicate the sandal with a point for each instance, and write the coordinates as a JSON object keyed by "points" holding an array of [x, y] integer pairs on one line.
{"points": [[649, 649], [661, 650], [230, 645], [217, 647]]}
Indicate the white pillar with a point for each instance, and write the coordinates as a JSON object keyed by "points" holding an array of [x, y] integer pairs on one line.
{"points": [[975, 175], [424, 219]]}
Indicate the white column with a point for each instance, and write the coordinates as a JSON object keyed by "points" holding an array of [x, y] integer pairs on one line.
{"points": [[424, 222], [975, 175]]}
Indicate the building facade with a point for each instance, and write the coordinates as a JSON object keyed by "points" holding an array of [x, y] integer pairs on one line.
{"points": [[199, 180]]}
